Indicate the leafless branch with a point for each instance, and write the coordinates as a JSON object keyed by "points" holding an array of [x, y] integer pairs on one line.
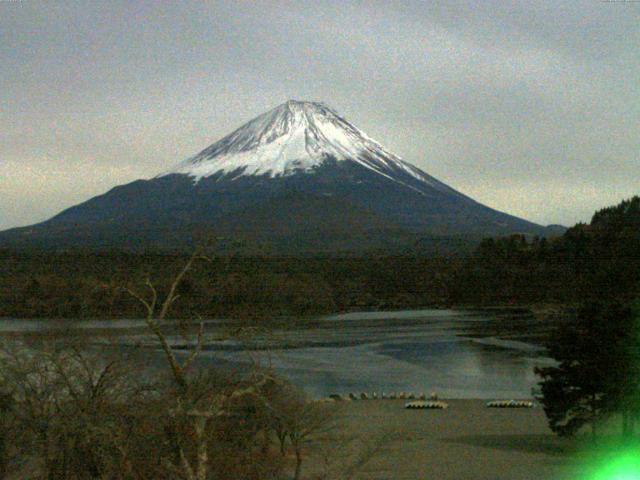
{"points": [[194, 353]]}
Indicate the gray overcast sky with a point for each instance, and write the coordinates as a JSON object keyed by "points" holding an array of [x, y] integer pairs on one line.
{"points": [[530, 107]]}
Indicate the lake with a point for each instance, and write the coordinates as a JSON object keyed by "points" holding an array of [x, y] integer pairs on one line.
{"points": [[419, 351], [412, 351]]}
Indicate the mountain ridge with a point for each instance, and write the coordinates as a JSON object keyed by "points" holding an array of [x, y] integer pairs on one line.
{"points": [[301, 148]]}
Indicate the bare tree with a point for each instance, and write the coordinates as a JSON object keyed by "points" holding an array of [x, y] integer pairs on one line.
{"points": [[199, 416], [297, 419], [197, 404], [64, 403], [156, 314], [85, 413]]}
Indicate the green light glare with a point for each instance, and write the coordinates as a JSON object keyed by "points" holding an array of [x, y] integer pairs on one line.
{"points": [[618, 466]]}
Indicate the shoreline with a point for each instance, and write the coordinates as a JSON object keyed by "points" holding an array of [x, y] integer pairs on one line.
{"points": [[536, 308], [466, 441]]}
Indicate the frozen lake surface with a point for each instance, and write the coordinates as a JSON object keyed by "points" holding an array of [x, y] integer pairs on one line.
{"points": [[419, 351], [412, 351]]}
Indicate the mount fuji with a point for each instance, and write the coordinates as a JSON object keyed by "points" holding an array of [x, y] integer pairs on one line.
{"points": [[297, 178]]}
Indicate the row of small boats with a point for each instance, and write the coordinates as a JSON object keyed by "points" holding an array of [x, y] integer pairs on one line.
{"points": [[510, 404], [383, 396], [420, 404], [420, 401]]}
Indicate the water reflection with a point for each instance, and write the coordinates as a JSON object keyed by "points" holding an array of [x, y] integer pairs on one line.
{"points": [[417, 351]]}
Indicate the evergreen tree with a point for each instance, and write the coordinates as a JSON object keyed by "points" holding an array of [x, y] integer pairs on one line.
{"points": [[626, 392], [596, 373]]}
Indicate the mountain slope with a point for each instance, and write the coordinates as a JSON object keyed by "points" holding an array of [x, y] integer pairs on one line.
{"points": [[299, 176]]}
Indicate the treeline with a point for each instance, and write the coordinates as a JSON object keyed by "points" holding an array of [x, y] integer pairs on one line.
{"points": [[92, 285], [590, 260], [597, 375]]}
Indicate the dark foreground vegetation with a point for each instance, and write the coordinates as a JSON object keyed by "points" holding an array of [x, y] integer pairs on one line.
{"points": [[597, 345], [75, 411], [598, 372], [72, 413], [600, 259]]}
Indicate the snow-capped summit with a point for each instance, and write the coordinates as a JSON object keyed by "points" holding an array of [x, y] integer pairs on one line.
{"points": [[293, 137]]}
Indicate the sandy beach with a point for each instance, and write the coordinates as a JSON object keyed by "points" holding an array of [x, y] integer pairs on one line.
{"points": [[465, 441]]}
